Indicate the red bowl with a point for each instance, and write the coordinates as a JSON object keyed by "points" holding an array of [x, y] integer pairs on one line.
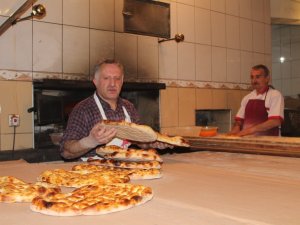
{"points": [[208, 131]]}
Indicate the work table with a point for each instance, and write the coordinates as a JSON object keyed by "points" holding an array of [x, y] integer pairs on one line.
{"points": [[206, 188], [269, 145]]}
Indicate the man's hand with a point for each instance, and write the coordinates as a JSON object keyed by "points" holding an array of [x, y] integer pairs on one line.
{"points": [[269, 124], [236, 128], [98, 135], [245, 132]]}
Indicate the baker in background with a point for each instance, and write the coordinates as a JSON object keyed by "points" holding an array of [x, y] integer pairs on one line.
{"points": [[261, 111], [84, 131]]}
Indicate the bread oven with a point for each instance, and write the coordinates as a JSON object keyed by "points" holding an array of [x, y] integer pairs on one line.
{"points": [[55, 99]]}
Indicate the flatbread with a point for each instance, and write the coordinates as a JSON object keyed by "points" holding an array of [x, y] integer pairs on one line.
{"points": [[118, 153], [176, 140], [16, 190], [131, 131], [93, 200], [134, 174], [78, 179], [125, 164]]}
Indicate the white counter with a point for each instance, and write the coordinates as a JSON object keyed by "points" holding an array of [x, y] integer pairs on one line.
{"points": [[207, 188]]}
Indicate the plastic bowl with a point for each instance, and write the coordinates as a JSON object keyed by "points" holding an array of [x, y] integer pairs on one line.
{"points": [[208, 131]]}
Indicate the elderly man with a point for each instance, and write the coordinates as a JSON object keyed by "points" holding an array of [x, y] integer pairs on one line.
{"points": [[261, 111], [84, 131]]}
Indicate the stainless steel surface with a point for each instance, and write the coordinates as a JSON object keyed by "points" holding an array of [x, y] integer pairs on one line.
{"points": [[147, 18]]}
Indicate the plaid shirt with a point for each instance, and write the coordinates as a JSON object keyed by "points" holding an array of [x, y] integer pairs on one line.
{"points": [[86, 114]]}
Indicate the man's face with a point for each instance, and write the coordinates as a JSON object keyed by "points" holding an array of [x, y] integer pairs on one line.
{"points": [[109, 82], [258, 80]]}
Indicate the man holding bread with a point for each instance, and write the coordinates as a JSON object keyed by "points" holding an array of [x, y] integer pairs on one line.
{"points": [[84, 132]]}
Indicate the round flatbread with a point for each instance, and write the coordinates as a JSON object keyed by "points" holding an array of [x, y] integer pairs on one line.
{"points": [[93, 200], [78, 179], [15, 190], [130, 154], [125, 164], [134, 174]]}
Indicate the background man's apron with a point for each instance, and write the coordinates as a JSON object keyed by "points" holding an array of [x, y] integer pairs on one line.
{"points": [[255, 113]]}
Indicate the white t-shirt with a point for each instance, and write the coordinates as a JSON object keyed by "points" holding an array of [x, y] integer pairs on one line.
{"points": [[274, 104]]}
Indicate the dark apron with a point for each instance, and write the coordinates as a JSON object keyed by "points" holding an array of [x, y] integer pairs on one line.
{"points": [[256, 113]]}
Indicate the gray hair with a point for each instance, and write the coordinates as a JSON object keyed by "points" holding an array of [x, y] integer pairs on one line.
{"points": [[262, 67], [98, 67]]}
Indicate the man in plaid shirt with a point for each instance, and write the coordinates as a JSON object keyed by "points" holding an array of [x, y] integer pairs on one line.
{"points": [[84, 132]]}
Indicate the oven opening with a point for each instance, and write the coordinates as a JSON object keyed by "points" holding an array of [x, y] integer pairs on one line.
{"points": [[220, 118]]}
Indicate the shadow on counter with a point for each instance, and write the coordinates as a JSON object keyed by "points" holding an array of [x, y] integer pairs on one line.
{"points": [[53, 154], [32, 155]]}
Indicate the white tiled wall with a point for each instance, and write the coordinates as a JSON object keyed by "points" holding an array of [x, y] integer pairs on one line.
{"points": [[232, 32], [16, 48], [218, 29], [186, 61], [286, 43], [147, 57], [47, 47], [77, 13], [186, 21], [168, 61], [74, 33], [126, 52], [102, 14], [203, 62], [101, 46], [203, 4], [8, 7], [232, 7], [219, 64], [76, 50], [202, 26], [54, 10]]}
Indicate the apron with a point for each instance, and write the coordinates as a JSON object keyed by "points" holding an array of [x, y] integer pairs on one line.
{"points": [[115, 141], [255, 113]]}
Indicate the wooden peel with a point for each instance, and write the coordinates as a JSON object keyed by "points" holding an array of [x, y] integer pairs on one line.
{"points": [[282, 146]]}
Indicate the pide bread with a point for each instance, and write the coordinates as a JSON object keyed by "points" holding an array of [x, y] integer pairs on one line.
{"points": [[78, 179], [16, 190], [134, 174], [93, 200], [118, 153], [131, 131], [176, 140], [125, 164]]}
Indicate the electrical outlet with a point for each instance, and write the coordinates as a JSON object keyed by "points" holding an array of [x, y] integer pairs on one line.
{"points": [[13, 120]]}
